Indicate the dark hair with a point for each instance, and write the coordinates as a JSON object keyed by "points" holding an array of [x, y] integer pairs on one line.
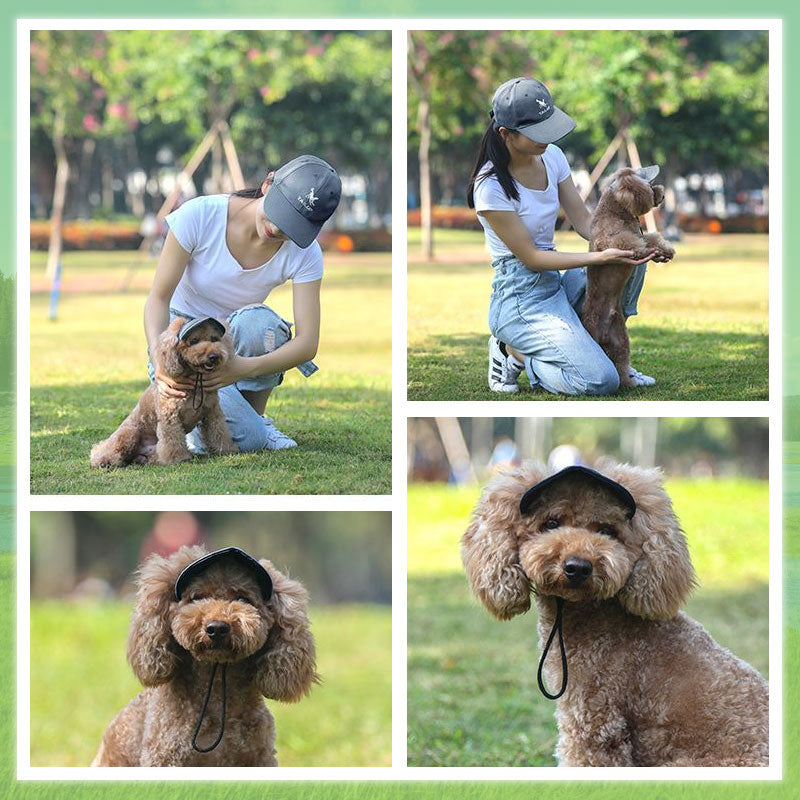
{"points": [[493, 149], [248, 192]]}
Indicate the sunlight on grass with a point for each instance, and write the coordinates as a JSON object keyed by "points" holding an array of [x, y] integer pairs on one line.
{"points": [[702, 327]]}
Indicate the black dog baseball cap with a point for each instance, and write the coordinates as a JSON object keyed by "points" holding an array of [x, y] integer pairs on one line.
{"points": [[530, 497], [227, 553], [525, 105], [194, 324], [303, 195], [648, 174]]}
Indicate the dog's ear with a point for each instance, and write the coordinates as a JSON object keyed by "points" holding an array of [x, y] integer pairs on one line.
{"points": [[489, 548], [287, 669], [153, 653], [166, 355], [663, 576], [658, 195], [633, 193]]}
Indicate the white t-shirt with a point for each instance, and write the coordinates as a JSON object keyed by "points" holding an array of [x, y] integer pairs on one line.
{"points": [[536, 208], [214, 284]]}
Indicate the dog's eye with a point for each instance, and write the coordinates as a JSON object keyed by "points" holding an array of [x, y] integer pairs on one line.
{"points": [[215, 338], [244, 600], [195, 597], [552, 523], [193, 342], [607, 530]]}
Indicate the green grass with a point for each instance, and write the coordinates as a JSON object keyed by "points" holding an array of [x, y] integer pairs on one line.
{"points": [[80, 680], [701, 329], [89, 368], [472, 693]]}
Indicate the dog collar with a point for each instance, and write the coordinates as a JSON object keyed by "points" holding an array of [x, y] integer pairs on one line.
{"points": [[233, 553], [529, 498], [192, 324]]}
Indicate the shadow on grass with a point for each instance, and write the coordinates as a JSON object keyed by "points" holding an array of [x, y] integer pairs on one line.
{"points": [[473, 699], [688, 365], [344, 437]]}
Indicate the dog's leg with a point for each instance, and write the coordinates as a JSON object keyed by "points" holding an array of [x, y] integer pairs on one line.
{"points": [[215, 431], [586, 740], [119, 449], [662, 247], [171, 447]]}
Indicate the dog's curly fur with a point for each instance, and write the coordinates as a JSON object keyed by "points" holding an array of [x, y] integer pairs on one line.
{"points": [[155, 431], [615, 224], [647, 685], [269, 652]]}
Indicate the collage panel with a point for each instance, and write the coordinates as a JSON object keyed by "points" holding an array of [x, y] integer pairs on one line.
{"points": [[634, 550], [222, 638], [210, 225], [588, 214]]}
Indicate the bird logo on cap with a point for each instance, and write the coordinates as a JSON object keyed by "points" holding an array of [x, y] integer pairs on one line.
{"points": [[308, 201]]}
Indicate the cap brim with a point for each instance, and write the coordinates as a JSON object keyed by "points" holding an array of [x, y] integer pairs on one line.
{"points": [[550, 130], [528, 500], [648, 173], [192, 324], [228, 553], [299, 229]]}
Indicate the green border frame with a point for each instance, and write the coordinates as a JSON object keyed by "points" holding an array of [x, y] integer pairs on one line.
{"points": [[545, 790]]}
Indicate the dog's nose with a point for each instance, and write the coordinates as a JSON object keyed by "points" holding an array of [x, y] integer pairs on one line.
{"points": [[213, 358], [217, 630], [577, 570]]}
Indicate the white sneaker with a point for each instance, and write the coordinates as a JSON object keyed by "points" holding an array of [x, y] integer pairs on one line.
{"points": [[504, 369], [639, 378], [275, 439]]}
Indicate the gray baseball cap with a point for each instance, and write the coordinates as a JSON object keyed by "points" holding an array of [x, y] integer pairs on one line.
{"points": [[525, 105], [303, 195], [193, 324]]}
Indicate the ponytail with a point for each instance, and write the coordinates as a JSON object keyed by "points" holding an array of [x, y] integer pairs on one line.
{"points": [[493, 149], [248, 192]]}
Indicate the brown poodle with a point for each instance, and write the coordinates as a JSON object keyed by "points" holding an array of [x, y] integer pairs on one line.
{"points": [[155, 431], [638, 682], [615, 223], [195, 613]]}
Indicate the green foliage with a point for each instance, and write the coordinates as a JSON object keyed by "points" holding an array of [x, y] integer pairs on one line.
{"points": [[88, 370], [701, 329], [472, 694], [80, 680]]}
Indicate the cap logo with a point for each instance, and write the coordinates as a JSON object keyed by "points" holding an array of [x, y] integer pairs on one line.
{"points": [[542, 103], [309, 200]]}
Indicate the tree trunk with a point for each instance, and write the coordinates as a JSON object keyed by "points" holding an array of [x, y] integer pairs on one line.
{"points": [[106, 178], [59, 195], [425, 201], [216, 167]]}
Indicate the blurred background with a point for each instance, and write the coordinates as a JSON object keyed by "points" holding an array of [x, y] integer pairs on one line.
{"points": [[695, 102], [472, 693], [124, 127], [82, 586]]}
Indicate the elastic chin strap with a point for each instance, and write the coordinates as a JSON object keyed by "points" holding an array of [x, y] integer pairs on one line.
{"points": [[205, 706], [558, 625], [198, 384]]}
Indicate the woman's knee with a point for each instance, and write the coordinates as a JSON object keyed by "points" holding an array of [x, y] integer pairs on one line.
{"points": [[257, 330], [602, 380]]}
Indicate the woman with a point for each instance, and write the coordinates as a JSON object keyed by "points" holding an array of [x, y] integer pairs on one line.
{"points": [[222, 257], [519, 181]]}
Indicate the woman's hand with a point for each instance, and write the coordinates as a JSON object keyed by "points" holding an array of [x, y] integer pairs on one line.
{"points": [[171, 387], [236, 368], [613, 255]]}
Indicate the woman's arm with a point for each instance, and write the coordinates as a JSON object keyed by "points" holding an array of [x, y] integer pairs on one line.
{"points": [[575, 208], [508, 226], [170, 268], [302, 347]]}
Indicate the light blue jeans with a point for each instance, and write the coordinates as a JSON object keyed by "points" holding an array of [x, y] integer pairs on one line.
{"points": [[255, 330], [538, 314]]}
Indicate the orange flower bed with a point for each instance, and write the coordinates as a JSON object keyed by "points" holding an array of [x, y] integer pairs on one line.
{"points": [[88, 235]]}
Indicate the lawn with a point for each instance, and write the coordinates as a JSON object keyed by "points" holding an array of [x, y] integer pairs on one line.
{"points": [[80, 680], [472, 694], [701, 330], [89, 367]]}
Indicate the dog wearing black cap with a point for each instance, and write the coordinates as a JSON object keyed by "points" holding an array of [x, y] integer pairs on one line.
{"points": [[155, 431], [637, 682], [615, 223], [212, 635]]}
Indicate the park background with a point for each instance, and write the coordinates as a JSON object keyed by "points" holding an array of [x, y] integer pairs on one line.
{"points": [[593, 790], [696, 102], [82, 596], [124, 125]]}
